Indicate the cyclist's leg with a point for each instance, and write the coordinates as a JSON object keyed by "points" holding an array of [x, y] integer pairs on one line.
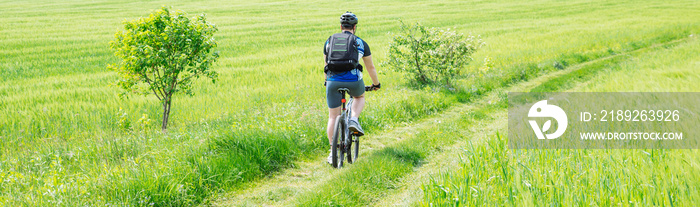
{"points": [[357, 90], [333, 114]]}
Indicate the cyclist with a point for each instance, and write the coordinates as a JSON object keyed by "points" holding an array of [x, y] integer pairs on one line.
{"points": [[349, 79]]}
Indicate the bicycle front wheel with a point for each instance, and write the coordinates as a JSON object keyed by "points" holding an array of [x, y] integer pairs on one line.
{"points": [[353, 149], [356, 146]]}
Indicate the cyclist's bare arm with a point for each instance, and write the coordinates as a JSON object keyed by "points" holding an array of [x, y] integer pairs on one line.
{"points": [[369, 65]]}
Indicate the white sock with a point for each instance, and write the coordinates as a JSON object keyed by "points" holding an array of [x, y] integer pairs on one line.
{"points": [[354, 119]]}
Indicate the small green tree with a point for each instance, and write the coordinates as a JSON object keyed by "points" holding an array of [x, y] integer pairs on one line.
{"points": [[163, 54], [431, 55]]}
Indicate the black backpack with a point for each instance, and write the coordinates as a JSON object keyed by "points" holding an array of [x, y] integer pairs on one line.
{"points": [[342, 53]]}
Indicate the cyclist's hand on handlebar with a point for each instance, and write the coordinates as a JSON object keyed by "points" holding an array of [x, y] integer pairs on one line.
{"points": [[373, 87]]}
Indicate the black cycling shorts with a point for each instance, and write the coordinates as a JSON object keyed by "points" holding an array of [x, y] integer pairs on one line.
{"points": [[333, 97]]}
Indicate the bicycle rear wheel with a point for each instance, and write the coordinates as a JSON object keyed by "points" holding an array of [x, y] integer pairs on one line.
{"points": [[337, 145]]}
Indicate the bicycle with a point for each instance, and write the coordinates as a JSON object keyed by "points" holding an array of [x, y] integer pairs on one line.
{"points": [[343, 140]]}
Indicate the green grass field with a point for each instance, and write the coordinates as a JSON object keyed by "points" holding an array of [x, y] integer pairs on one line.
{"points": [[68, 140]]}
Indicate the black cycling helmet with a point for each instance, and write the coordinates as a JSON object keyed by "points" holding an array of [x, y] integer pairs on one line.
{"points": [[348, 19]]}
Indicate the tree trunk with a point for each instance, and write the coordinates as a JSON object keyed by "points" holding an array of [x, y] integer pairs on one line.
{"points": [[166, 113]]}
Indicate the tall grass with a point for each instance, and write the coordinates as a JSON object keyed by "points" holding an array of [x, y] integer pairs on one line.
{"points": [[492, 174], [62, 130]]}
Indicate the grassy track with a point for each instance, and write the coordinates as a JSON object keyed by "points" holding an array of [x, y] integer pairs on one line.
{"points": [[68, 140]]}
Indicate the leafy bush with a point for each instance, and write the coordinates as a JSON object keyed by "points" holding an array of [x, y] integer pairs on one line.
{"points": [[431, 55]]}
